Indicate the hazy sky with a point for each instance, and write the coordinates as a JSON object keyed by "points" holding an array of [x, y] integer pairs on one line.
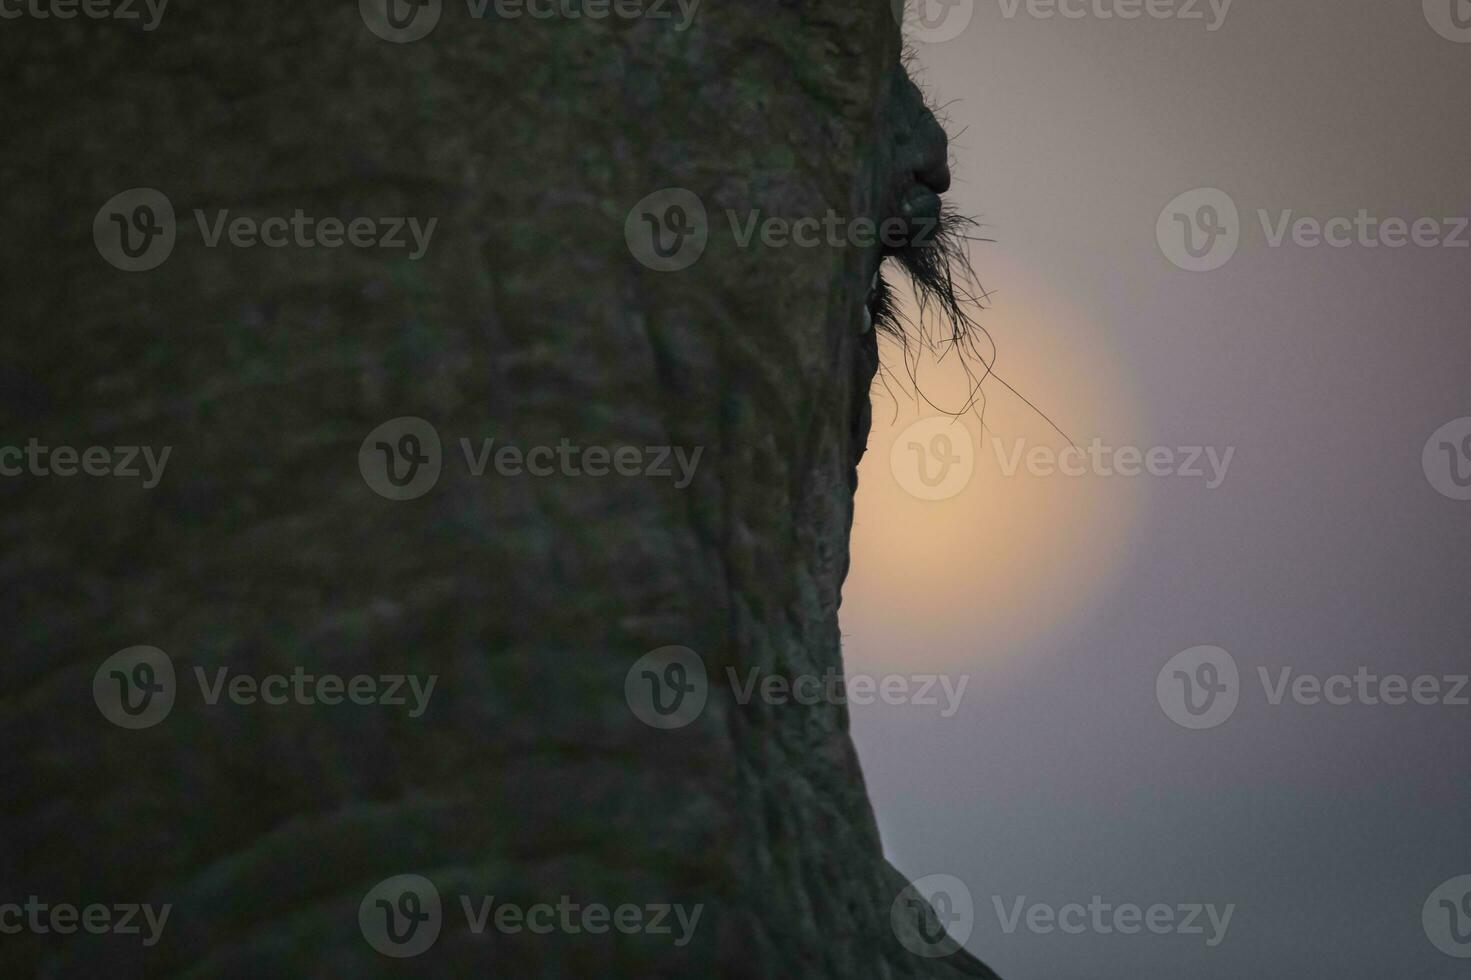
{"points": [[1318, 542]]}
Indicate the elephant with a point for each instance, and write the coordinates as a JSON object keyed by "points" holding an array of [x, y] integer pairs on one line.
{"points": [[338, 402]]}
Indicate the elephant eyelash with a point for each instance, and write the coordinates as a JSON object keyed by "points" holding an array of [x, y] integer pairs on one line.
{"points": [[938, 266], [946, 287]]}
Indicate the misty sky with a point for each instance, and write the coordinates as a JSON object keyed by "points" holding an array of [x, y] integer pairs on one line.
{"points": [[1321, 547]]}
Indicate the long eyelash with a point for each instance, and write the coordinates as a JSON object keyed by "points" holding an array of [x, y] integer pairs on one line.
{"points": [[944, 280], [945, 283]]}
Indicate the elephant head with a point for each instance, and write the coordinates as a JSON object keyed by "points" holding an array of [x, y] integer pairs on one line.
{"points": [[522, 475]]}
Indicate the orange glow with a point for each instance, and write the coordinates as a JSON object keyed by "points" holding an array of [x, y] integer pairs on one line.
{"points": [[1009, 558]]}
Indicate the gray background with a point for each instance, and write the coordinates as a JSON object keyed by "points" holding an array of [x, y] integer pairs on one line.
{"points": [[1326, 549]]}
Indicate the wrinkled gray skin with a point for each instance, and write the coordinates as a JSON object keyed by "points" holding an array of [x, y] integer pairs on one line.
{"points": [[262, 549]]}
